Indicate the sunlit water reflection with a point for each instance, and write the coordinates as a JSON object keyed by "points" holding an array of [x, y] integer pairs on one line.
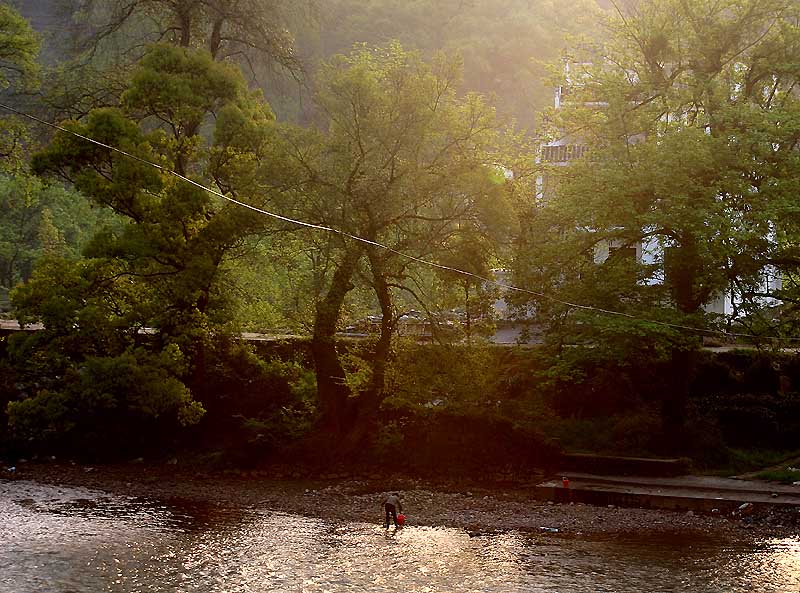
{"points": [[58, 540]]}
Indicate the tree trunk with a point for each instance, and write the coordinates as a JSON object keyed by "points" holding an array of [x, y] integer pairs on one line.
{"points": [[368, 403], [381, 354], [183, 14], [684, 275], [684, 280], [332, 392], [467, 312], [215, 40]]}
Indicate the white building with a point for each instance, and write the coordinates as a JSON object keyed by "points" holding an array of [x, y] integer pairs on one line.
{"points": [[562, 151]]}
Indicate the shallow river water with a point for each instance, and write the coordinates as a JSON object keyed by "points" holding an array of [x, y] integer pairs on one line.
{"points": [[59, 540]]}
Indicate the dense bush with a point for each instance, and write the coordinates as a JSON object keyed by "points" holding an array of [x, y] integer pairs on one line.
{"points": [[139, 403], [461, 407], [453, 377], [443, 442], [106, 407], [256, 402], [456, 406], [750, 397]]}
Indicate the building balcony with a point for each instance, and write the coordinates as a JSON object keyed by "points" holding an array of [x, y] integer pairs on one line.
{"points": [[562, 153]]}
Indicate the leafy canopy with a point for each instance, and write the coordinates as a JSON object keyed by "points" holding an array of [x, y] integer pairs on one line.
{"points": [[690, 117]]}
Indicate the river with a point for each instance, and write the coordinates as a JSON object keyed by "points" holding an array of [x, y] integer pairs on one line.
{"points": [[74, 540]]}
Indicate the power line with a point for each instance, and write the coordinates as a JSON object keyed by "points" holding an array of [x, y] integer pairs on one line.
{"points": [[509, 287]]}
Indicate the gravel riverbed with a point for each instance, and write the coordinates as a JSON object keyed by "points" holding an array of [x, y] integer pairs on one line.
{"points": [[478, 507]]}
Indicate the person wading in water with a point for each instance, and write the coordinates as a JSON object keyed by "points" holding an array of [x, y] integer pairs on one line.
{"points": [[392, 506]]}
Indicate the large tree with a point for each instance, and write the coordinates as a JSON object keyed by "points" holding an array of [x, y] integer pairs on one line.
{"points": [[108, 38], [689, 118], [404, 166], [123, 350], [226, 28], [163, 267]]}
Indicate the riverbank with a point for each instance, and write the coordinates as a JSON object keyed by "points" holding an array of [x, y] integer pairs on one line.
{"points": [[476, 506]]}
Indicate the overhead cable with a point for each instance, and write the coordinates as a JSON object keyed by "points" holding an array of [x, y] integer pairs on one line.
{"points": [[502, 285]]}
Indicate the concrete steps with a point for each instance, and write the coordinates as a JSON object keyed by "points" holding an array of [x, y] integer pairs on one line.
{"points": [[680, 493]]}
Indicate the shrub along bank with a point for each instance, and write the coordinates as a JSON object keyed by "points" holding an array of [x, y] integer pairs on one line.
{"points": [[583, 401], [449, 408]]}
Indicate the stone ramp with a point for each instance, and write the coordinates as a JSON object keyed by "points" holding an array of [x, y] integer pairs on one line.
{"points": [[680, 493]]}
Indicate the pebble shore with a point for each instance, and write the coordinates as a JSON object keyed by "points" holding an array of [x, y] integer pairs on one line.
{"points": [[466, 504]]}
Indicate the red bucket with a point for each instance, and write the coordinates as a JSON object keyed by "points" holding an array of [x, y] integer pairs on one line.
{"points": [[401, 520]]}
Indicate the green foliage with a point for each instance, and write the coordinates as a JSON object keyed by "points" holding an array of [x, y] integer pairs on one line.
{"points": [[181, 87], [632, 433], [389, 441], [589, 402], [464, 407], [258, 384], [450, 378], [19, 48], [158, 270], [260, 438], [476, 381], [273, 280], [358, 372], [692, 131], [257, 403], [681, 197], [86, 306], [583, 435], [252, 30], [603, 379], [177, 237], [107, 406], [690, 134], [40, 220], [19, 70], [504, 42], [402, 164]]}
